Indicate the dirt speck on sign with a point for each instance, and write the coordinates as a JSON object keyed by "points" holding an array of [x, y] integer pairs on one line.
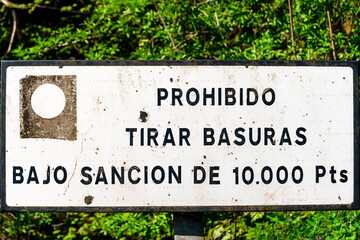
{"points": [[88, 199], [143, 116]]}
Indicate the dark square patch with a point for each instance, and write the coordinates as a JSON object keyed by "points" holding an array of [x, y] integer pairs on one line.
{"points": [[62, 126]]}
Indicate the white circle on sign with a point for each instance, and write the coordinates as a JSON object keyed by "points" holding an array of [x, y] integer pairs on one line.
{"points": [[48, 101]]}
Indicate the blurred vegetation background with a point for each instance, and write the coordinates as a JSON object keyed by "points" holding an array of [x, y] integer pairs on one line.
{"points": [[180, 29]]}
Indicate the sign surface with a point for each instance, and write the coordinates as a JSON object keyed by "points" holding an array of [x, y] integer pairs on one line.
{"points": [[179, 135]]}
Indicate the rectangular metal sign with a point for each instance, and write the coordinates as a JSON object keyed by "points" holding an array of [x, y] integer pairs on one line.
{"points": [[179, 135]]}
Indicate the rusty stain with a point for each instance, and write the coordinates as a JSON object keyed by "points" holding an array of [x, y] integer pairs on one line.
{"points": [[273, 77], [266, 90], [98, 100], [61, 127], [143, 116], [88, 199], [76, 160]]}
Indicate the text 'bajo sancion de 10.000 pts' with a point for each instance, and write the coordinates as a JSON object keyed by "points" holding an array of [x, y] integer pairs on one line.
{"points": [[173, 175]]}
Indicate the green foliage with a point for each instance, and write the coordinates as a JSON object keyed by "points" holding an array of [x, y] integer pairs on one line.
{"points": [[85, 225], [179, 29], [249, 225], [133, 29], [288, 225], [134, 225]]}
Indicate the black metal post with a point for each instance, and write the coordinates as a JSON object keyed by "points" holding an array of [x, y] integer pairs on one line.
{"points": [[188, 226]]}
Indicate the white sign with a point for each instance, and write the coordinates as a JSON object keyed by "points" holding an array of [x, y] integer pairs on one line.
{"points": [[185, 136]]}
